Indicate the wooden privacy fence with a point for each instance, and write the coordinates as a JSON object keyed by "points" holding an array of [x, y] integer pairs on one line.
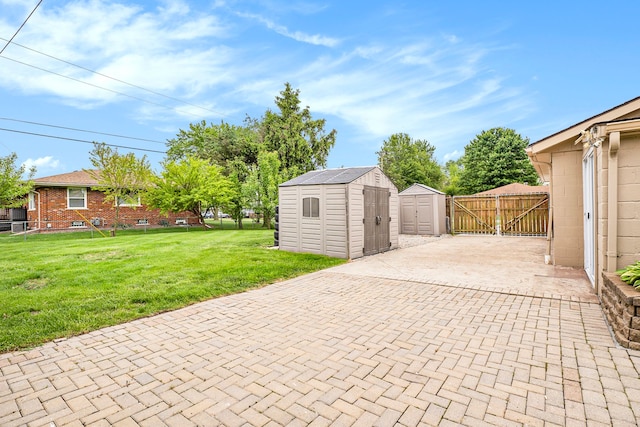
{"points": [[505, 214]]}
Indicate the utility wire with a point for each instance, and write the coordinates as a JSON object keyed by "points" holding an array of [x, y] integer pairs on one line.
{"points": [[83, 130], [87, 83], [80, 140], [18, 30], [117, 80]]}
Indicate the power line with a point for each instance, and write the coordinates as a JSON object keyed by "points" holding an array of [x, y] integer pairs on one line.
{"points": [[18, 30], [83, 130], [80, 140], [118, 80], [87, 83]]}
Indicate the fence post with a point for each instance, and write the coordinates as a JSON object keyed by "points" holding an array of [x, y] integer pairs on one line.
{"points": [[453, 214], [498, 215]]}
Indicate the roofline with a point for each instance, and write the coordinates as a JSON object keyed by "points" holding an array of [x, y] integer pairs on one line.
{"points": [[566, 133], [64, 184], [369, 169]]}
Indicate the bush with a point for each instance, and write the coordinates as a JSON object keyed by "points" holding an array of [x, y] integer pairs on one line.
{"points": [[631, 274]]}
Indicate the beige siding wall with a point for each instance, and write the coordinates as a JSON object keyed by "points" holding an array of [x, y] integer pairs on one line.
{"points": [[289, 211], [323, 235], [628, 200], [566, 192], [334, 220], [339, 231], [375, 178], [602, 189]]}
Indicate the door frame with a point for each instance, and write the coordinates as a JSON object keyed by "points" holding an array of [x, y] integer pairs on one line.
{"points": [[588, 214]]}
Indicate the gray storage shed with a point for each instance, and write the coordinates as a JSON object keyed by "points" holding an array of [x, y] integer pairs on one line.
{"points": [[422, 211], [344, 213]]}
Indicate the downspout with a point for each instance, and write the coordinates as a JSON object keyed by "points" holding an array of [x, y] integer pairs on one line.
{"points": [[612, 203], [39, 207]]}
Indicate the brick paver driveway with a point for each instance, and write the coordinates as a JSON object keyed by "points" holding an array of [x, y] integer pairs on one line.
{"points": [[416, 336]]}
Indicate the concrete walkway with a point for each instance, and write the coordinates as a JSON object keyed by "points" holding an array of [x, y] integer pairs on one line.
{"points": [[427, 335]]}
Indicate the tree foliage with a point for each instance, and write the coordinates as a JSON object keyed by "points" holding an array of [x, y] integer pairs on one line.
{"points": [[189, 185], [452, 177], [407, 161], [300, 141], [220, 144], [13, 186], [121, 177], [495, 158], [261, 186], [238, 173]]}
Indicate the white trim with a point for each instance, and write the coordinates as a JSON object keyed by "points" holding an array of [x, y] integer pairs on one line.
{"points": [[84, 192], [588, 206]]}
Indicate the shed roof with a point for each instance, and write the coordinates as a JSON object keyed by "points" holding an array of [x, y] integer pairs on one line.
{"points": [[80, 178], [329, 176], [419, 189]]}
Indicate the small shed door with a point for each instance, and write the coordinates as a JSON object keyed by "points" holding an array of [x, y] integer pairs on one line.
{"points": [[408, 215], [424, 214], [376, 220]]}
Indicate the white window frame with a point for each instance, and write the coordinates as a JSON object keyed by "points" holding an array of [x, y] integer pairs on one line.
{"points": [[138, 204], [69, 198], [32, 201]]}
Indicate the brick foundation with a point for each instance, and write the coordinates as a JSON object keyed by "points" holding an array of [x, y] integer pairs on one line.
{"points": [[621, 305]]}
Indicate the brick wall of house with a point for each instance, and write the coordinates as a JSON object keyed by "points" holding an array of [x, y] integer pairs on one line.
{"points": [[53, 213]]}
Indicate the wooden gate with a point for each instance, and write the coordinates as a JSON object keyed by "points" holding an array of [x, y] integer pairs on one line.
{"points": [[474, 214], [511, 214]]}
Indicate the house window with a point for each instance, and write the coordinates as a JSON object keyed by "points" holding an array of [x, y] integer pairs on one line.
{"points": [[77, 198], [311, 207], [78, 224], [131, 200], [32, 201]]}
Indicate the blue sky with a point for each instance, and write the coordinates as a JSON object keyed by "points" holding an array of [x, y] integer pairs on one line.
{"points": [[436, 70]]}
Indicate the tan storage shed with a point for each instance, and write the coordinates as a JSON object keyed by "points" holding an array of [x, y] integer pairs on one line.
{"points": [[343, 213], [422, 211]]}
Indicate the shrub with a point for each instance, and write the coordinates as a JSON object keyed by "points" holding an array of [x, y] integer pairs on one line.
{"points": [[631, 274]]}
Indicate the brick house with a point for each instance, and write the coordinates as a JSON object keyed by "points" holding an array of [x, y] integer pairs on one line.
{"points": [[67, 202]]}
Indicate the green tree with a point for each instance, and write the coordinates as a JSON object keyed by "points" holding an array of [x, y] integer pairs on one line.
{"points": [[300, 141], [238, 174], [13, 186], [188, 185], [121, 177], [452, 173], [494, 158], [261, 186], [407, 161], [220, 144]]}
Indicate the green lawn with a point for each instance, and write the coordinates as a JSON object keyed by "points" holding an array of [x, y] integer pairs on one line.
{"points": [[58, 285]]}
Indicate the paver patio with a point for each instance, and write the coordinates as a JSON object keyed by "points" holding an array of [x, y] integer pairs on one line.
{"points": [[404, 338]]}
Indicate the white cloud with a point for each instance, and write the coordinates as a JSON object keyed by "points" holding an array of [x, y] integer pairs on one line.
{"points": [[46, 163], [163, 50], [454, 155], [314, 39]]}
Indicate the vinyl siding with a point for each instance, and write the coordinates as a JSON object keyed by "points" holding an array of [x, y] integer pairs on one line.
{"points": [[339, 230]]}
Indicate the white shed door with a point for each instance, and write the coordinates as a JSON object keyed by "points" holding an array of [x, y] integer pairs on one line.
{"points": [[408, 215], [424, 206]]}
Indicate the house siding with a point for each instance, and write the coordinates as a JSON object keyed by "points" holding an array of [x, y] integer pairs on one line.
{"points": [[566, 193], [628, 201]]}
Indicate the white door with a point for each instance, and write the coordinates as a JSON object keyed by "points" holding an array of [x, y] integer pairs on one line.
{"points": [[588, 200]]}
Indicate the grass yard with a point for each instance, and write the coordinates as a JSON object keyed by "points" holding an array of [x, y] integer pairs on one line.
{"points": [[59, 285]]}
